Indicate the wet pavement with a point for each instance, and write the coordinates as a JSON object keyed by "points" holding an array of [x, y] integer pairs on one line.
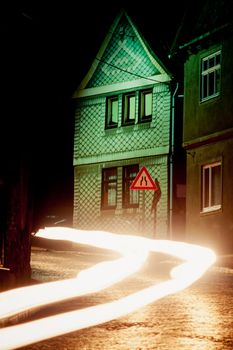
{"points": [[197, 318]]}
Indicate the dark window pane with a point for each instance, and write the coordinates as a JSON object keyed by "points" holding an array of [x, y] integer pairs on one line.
{"points": [[130, 197], [109, 188], [211, 83], [211, 62], [217, 84], [205, 86], [204, 65], [218, 56]]}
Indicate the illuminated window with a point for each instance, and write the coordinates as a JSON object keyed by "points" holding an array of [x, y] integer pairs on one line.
{"points": [[109, 188], [210, 76], [112, 112], [211, 187], [130, 197], [129, 108], [146, 105]]}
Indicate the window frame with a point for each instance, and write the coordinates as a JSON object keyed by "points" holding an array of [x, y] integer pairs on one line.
{"points": [[109, 123], [207, 193], [143, 118], [127, 180], [126, 108], [210, 72], [106, 181]]}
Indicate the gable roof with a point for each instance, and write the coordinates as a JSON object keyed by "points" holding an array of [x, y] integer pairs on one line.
{"points": [[207, 18], [124, 56]]}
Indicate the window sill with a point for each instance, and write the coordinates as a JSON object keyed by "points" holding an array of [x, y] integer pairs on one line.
{"points": [[146, 120], [209, 98], [211, 210], [128, 123], [107, 213], [108, 208], [130, 206], [110, 127]]}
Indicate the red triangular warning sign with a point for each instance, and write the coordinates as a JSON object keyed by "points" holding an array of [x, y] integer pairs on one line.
{"points": [[143, 181]]}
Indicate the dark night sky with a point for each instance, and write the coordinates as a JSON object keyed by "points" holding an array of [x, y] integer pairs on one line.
{"points": [[47, 49]]}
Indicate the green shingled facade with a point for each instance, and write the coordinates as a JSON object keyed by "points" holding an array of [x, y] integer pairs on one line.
{"points": [[123, 64]]}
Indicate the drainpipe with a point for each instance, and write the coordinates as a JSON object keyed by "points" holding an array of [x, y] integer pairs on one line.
{"points": [[171, 162]]}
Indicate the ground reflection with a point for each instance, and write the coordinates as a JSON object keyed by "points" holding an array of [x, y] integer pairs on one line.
{"points": [[134, 252]]}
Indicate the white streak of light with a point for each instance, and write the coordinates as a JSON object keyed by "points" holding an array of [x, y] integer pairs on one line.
{"points": [[198, 259], [123, 244], [21, 299]]}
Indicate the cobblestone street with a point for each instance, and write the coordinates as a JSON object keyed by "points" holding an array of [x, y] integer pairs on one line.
{"points": [[197, 318]]}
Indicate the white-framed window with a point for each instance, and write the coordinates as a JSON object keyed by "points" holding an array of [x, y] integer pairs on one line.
{"points": [[211, 188], [112, 112], [210, 76], [146, 105]]}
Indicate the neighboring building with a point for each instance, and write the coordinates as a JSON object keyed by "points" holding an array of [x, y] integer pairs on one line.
{"points": [[16, 220], [208, 126], [122, 123]]}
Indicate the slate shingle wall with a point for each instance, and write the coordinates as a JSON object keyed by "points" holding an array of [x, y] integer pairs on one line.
{"points": [[87, 201], [91, 138]]}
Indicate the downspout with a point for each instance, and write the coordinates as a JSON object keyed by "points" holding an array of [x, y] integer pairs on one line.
{"points": [[171, 162]]}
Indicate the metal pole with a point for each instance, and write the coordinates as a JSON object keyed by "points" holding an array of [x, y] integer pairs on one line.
{"points": [[143, 211], [171, 163]]}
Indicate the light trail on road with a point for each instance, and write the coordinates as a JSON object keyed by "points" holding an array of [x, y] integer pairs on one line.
{"points": [[135, 249], [109, 272]]}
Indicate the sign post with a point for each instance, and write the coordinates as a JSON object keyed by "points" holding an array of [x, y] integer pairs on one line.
{"points": [[143, 181]]}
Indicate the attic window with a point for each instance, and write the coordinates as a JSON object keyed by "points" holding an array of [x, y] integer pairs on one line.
{"points": [[112, 112], [146, 105], [129, 108], [210, 76]]}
